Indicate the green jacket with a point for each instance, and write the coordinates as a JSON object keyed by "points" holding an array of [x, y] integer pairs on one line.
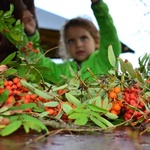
{"points": [[98, 61], [34, 37]]}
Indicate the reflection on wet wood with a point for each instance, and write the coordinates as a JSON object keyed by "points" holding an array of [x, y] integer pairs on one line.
{"points": [[119, 139]]}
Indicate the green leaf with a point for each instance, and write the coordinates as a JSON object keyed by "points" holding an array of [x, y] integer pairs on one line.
{"points": [[109, 106], [111, 56], [99, 102], [6, 113], [10, 72], [72, 99], [51, 104], [26, 127], [60, 114], [130, 69], [7, 13], [139, 77], [81, 121], [43, 114], [60, 87], [8, 59], [98, 122], [1, 83], [4, 96], [23, 106], [37, 109], [10, 20], [30, 125], [43, 94], [78, 115], [13, 64], [14, 118], [18, 27], [144, 63], [35, 121], [35, 90], [7, 35], [12, 127], [41, 105], [81, 110], [94, 99], [15, 36], [22, 70], [103, 120], [122, 65], [97, 109], [66, 108], [147, 93], [105, 103], [3, 109], [47, 74], [36, 75], [11, 8], [111, 115], [1, 12]]}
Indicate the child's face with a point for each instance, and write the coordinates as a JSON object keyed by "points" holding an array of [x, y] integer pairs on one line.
{"points": [[79, 43]]}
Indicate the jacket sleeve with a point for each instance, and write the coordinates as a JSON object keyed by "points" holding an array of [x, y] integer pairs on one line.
{"points": [[34, 37], [108, 32]]}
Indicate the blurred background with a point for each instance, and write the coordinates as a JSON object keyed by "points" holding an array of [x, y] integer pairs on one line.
{"points": [[131, 18]]}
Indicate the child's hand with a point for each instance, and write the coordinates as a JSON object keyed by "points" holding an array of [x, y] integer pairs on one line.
{"points": [[93, 1], [3, 68], [29, 22]]}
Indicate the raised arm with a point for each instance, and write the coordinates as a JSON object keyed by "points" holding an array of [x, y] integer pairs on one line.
{"points": [[108, 31], [94, 1]]}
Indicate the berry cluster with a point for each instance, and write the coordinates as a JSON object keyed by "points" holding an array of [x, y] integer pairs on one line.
{"points": [[18, 95], [117, 101], [134, 108], [29, 47], [14, 88]]}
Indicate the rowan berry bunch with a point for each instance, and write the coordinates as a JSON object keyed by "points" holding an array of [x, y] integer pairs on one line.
{"points": [[134, 108], [29, 47], [117, 101], [18, 95], [57, 110], [54, 111], [14, 88]]}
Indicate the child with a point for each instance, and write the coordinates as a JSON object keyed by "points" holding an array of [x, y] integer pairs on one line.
{"points": [[82, 42]]}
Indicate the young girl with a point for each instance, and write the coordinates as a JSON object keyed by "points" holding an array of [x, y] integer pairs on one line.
{"points": [[85, 45]]}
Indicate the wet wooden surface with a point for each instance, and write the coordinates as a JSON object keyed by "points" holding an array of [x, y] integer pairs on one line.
{"points": [[119, 139]]}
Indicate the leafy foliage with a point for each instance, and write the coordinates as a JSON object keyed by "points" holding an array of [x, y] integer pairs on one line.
{"points": [[12, 29], [34, 102]]}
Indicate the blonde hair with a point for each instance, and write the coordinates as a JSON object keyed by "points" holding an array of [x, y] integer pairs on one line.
{"points": [[82, 22]]}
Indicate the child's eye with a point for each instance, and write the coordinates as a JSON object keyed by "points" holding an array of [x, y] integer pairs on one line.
{"points": [[70, 41], [84, 38]]}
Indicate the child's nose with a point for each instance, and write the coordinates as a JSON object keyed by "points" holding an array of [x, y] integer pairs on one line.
{"points": [[78, 43]]}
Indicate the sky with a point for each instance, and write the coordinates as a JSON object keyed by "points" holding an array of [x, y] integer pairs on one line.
{"points": [[131, 18]]}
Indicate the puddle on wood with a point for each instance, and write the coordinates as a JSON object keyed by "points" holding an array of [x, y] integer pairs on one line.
{"points": [[119, 139]]}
